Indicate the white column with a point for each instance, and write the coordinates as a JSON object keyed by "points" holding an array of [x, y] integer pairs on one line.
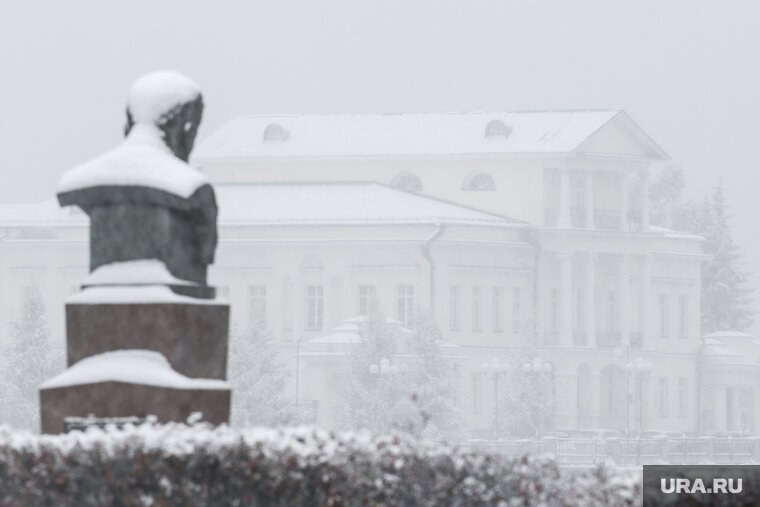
{"points": [[625, 306], [566, 299], [590, 200], [590, 299], [645, 301], [623, 199], [541, 313], [564, 221], [644, 202]]}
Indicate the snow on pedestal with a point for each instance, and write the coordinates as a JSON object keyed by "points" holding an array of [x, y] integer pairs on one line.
{"points": [[144, 367]]}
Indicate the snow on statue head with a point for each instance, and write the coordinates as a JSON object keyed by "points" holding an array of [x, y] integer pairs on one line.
{"points": [[170, 101], [144, 200]]}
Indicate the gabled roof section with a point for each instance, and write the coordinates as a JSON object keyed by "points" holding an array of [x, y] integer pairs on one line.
{"points": [[419, 134], [294, 204], [621, 136]]}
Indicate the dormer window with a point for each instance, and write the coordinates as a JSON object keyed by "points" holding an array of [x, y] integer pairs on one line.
{"points": [[275, 132], [479, 181], [407, 180], [497, 128]]}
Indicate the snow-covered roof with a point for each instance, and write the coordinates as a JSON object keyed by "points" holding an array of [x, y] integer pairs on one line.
{"points": [[144, 367], [294, 203], [336, 135], [341, 203]]}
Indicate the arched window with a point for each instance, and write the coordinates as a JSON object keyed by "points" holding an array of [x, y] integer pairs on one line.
{"points": [[478, 181], [407, 180], [497, 128], [275, 132]]}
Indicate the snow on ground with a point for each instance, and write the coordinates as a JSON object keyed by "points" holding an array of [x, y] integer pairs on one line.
{"points": [[137, 294], [144, 367], [136, 272]]}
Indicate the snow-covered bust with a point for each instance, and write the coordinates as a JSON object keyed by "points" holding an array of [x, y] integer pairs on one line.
{"points": [[143, 199]]}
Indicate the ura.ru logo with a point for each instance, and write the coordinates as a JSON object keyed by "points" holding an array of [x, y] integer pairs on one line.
{"points": [[683, 485]]}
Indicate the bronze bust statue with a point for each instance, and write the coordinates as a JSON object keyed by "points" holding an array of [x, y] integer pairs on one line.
{"points": [[143, 199]]}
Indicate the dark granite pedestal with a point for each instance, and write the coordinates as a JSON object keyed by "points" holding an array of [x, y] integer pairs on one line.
{"points": [[118, 399], [193, 337]]}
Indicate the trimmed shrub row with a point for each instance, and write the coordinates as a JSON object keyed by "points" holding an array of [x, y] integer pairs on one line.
{"points": [[176, 464]]}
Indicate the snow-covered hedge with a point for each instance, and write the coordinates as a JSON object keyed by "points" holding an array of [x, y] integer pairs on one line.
{"points": [[176, 464]]}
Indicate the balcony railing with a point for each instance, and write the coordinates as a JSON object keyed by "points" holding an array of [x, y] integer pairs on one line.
{"points": [[580, 337], [608, 219], [608, 339], [636, 340], [551, 338]]}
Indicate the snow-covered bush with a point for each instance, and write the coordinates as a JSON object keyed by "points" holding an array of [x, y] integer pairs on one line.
{"points": [[175, 464]]}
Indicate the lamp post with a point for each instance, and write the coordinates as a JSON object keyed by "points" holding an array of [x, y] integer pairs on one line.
{"points": [[298, 369], [495, 369], [538, 369]]}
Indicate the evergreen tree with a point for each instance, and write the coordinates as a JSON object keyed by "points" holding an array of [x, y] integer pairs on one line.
{"points": [[527, 399], [400, 379], [258, 376], [30, 359], [726, 299]]}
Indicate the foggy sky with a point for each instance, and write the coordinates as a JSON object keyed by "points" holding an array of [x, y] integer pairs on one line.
{"points": [[686, 71]]}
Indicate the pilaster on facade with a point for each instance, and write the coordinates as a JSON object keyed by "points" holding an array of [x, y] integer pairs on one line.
{"points": [[590, 299], [645, 301], [589, 191], [644, 202], [564, 220], [623, 200], [566, 298], [624, 282]]}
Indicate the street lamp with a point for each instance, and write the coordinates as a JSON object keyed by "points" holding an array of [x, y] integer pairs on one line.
{"points": [[639, 369], [386, 369], [538, 369], [495, 368]]}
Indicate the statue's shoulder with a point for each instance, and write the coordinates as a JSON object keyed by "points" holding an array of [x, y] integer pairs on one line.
{"points": [[132, 169]]}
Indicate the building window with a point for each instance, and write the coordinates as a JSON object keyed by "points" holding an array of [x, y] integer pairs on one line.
{"points": [[516, 310], [662, 315], [367, 295], [223, 292], [611, 312], [407, 180], [404, 303], [554, 317], [497, 128], [477, 309], [454, 308], [479, 182], [682, 400], [477, 403], [257, 306], [497, 310], [661, 397], [275, 132], [315, 306], [683, 316]]}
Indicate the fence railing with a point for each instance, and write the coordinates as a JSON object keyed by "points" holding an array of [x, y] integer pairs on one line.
{"points": [[631, 451]]}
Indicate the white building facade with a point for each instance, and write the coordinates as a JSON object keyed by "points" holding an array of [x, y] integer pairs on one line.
{"points": [[491, 220]]}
